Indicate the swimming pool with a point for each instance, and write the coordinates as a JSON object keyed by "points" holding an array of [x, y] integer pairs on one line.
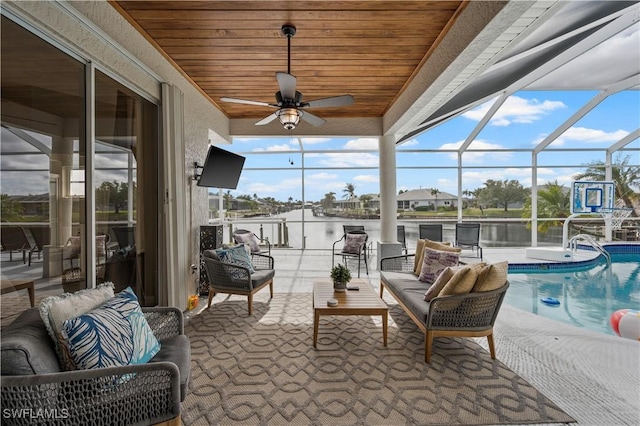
{"points": [[588, 296]]}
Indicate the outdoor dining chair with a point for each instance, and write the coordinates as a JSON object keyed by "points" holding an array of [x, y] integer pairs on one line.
{"points": [[244, 236], [402, 238], [351, 228], [468, 235], [354, 246], [430, 231]]}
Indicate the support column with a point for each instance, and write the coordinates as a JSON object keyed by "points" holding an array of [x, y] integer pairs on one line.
{"points": [[388, 244]]}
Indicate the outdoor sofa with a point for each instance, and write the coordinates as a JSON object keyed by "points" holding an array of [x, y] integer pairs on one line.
{"points": [[466, 308]]}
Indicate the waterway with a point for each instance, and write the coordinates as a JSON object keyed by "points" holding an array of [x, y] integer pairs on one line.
{"points": [[320, 232]]}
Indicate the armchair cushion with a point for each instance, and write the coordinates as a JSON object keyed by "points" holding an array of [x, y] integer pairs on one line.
{"points": [[116, 333], [176, 349], [434, 263], [55, 310], [353, 243], [261, 276], [27, 348]]}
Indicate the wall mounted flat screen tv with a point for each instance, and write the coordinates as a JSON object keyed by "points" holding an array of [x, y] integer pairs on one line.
{"points": [[221, 169]]}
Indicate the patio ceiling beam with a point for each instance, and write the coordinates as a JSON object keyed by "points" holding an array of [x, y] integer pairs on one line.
{"points": [[624, 142], [593, 102], [618, 22], [484, 121], [30, 140]]}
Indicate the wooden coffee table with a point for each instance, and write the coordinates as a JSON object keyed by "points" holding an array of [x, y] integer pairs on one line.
{"points": [[362, 302]]}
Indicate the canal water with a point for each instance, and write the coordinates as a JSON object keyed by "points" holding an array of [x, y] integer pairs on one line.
{"points": [[320, 232]]}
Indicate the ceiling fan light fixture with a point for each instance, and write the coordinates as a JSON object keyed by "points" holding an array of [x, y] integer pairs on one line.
{"points": [[289, 117]]}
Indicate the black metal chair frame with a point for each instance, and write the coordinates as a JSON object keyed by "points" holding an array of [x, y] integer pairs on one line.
{"points": [[19, 239], [362, 251], [468, 235], [125, 236], [350, 228], [430, 231], [402, 238], [264, 241]]}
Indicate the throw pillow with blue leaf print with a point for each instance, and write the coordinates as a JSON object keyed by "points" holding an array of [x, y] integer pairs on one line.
{"points": [[115, 333]]}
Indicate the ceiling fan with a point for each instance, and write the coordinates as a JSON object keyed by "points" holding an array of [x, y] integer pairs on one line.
{"points": [[289, 104]]}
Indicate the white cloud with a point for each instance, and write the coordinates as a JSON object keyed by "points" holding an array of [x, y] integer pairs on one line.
{"points": [[477, 157], [283, 147], [321, 176], [585, 135], [410, 142], [314, 141], [349, 160], [366, 178], [259, 188], [515, 110], [362, 143]]}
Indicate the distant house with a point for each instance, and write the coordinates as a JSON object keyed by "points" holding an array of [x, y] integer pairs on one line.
{"points": [[357, 203], [414, 198]]}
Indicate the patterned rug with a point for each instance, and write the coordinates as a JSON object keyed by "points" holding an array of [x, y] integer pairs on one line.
{"points": [[263, 370]]}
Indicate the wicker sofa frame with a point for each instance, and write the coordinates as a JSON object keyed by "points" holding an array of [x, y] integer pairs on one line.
{"points": [[141, 394], [467, 315]]}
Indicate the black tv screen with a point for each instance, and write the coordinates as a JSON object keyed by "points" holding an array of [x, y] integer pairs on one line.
{"points": [[221, 169]]}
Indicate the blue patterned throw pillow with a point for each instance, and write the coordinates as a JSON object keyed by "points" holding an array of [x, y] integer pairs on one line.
{"points": [[238, 256], [115, 333]]}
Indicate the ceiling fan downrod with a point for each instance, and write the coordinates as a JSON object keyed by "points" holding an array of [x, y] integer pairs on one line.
{"points": [[288, 31]]}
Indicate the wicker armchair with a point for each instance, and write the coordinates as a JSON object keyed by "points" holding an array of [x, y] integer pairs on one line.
{"points": [[466, 315], [135, 394], [233, 279]]}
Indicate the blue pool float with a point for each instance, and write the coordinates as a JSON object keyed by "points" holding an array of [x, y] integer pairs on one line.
{"points": [[550, 301]]}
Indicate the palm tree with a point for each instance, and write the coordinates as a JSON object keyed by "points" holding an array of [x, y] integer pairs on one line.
{"points": [[625, 177], [349, 191], [328, 200], [435, 192], [554, 201]]}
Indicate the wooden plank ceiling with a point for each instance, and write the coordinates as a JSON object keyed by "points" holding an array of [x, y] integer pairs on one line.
{"points": [[369, 49]]}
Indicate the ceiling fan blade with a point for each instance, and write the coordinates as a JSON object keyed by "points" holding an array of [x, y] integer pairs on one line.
{"points": [[314, 120], [268, 119], [287, 83], [333, 101], [246, 102]]}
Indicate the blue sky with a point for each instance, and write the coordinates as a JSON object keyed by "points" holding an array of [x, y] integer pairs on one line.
{"points": [[524, 120]]}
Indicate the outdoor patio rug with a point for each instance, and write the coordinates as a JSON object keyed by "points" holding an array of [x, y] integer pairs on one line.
{"points": [[263, 370]]}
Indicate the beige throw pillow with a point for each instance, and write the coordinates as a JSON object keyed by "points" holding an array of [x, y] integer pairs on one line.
{"points": [[439, 283], [461, 282], [492, 277]]}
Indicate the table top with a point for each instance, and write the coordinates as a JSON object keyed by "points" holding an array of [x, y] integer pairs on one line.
{"points": [[6, 283], [364, 301]]}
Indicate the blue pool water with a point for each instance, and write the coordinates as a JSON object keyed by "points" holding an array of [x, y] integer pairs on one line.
{"points": [[587, 296]]}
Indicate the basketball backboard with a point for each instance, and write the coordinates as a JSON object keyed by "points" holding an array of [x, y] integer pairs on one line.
{"points": [[591, 196]]}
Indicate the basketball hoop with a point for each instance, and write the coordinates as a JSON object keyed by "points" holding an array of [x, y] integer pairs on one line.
{"points": [[615, 216]]}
